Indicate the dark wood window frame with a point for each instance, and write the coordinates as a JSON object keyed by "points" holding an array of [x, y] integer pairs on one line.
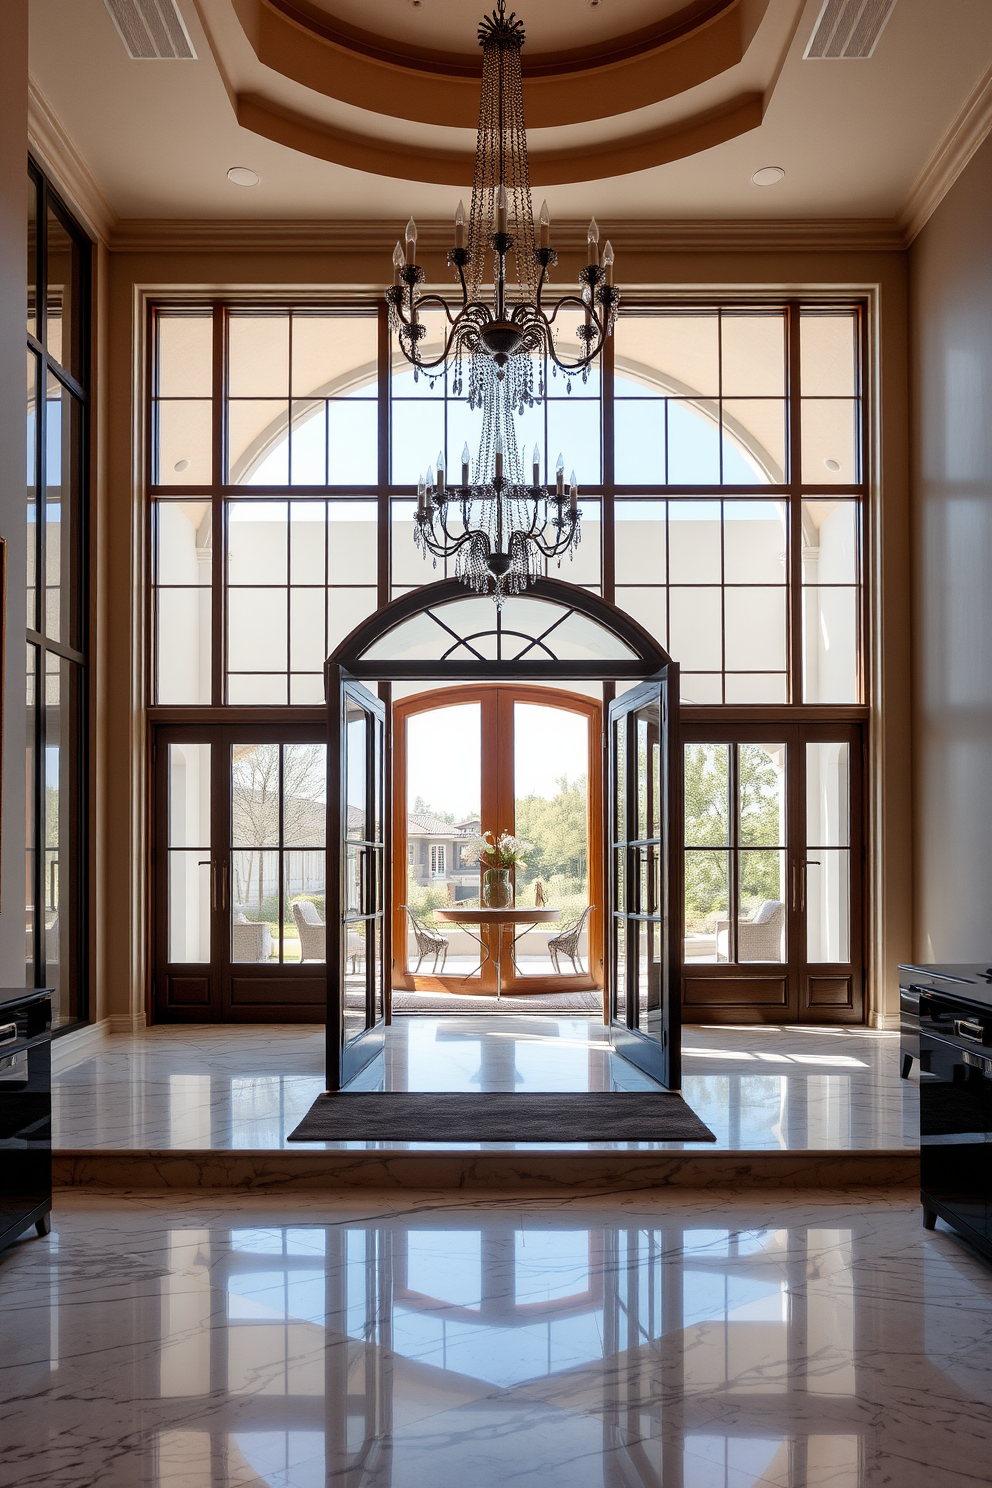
{"points": [[42, 648]]}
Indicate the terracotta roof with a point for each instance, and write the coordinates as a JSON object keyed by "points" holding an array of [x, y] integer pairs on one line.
{"points": [[423, 824]]}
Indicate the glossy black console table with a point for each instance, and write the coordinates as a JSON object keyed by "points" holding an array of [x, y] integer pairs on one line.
{"points": [[25, 1112], [955, 1052]]}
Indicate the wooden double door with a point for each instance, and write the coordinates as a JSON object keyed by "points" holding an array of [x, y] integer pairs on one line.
{"points": [[239, 857], [773, 872]]}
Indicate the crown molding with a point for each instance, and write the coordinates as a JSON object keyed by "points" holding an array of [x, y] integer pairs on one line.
{"points": [[966, 135], [67, 169], [646, 235]]}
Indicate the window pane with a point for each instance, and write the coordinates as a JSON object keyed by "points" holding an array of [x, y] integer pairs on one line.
{"points": [[693, 444], [830, 542], [417, 435], [31, 821], [189, 907], [305, 898], [60, 294], [189, 796], [352, 541], [334, 354], [307, 647], [700, 688], [761, 794], [183, 545], [755, 629], [829, 441], [32, 266], [754, 441], [255, 920], [761, 927], [308, 542], [753, 355], [183, 443], [648, 607], [830, 645], [828, 905], [63, 851], [707, 905], [583, 565], [258, 442], [640, 542], [256, 630], [257, 542], [694, 542], [308, 444], [347, 608], [33, 372], [671, 351], [304, 795], [696, 628], [185, 355], [707, 795], [755, 542], [182, 640], [255, 795], [639, 441], [62, 511], [755, 687], [444, 798], [258, 348], [270, 688], [829, 355], [353, 449], [828, 795], [574, 429]]}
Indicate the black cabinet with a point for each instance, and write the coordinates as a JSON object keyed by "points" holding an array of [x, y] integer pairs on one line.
{"points": [[25, 1112], [956, 1113]]}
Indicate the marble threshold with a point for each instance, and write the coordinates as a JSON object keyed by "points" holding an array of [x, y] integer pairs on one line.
{"points": [[212, 1106]]}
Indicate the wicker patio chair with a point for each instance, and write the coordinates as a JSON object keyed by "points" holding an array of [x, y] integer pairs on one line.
{"points": [[758, 939], [429, 942], [313, 931], [251, 940], [566, 942]]}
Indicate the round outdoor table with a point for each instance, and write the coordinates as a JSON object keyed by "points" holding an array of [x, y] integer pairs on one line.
{"points": [[497, 918]]}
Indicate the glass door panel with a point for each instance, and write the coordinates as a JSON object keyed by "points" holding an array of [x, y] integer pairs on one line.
{"points": [[190, 873], [443, 809], [826, 872], [551, 814]]}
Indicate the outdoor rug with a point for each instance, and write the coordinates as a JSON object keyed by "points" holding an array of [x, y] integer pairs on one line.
{"points": [[457, 1002], [501, 1116]]}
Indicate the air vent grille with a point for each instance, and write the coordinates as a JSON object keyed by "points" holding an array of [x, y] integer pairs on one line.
{"points": [[151, 30], [848, 28]]}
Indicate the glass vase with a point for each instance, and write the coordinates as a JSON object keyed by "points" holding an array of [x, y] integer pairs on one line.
{"points": [[497, 891]]}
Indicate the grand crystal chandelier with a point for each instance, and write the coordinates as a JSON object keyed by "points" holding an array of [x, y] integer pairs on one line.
{"points": [[498, 527]]}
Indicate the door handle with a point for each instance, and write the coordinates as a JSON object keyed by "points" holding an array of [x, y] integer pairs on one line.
{"points": [[218, 882], [964, 1028], [799, 882]]}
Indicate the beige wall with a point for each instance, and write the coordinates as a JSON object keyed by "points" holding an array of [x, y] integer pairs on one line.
{"points": [[951, 320], [13, 279]]}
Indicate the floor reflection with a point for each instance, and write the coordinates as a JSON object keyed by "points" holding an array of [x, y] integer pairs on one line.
{"points": [[709, 1347], [247, 1088]]}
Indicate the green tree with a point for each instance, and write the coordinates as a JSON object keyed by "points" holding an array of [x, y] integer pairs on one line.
{"points": [[707, 830], [558, 828]]}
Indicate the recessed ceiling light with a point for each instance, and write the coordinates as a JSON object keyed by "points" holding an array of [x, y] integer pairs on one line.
{"points": [[242, 175], [768, 175], [415, 4], [180, 466], [595, 4], [832, 464]]}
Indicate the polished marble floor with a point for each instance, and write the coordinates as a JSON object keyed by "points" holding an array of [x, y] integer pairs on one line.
{"points": [[214, 1087], [679, 1341]]}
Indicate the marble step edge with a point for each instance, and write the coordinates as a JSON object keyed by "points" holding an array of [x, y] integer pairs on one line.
{"points": [[563, 1171]]}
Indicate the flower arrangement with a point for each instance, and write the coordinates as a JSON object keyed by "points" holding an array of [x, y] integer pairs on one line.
{"points": [[508, 852]]}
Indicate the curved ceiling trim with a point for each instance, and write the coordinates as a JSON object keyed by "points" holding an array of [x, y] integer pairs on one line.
{"points": [[631, 74], [547, 168]]}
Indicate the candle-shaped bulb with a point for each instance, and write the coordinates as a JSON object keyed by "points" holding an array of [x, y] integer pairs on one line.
{"points": [[399, 259], [430, 475], [421, 495], [573, 495], [498, 451], [592, 238], [460, 225], [560, 476], [440, 460], [536, 466], [411, 242], [466, 459], [501, 208], [545, 220], [608, 261]]}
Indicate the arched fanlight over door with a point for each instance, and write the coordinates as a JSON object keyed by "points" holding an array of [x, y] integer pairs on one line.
{"points": [[555, 630]]}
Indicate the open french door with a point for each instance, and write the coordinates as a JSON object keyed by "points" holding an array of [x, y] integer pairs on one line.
{"points": [[357, 926], [645, 876]]}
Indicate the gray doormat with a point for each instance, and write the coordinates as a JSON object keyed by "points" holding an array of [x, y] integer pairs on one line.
{"points": [[501, 1116], [456, 1002]]}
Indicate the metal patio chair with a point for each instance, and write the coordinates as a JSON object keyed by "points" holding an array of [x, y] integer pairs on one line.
{"points": [[429, 942], [566, 942]]}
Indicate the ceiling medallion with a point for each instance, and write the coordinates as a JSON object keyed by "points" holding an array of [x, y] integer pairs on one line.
{"points": [[509, 528]]}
